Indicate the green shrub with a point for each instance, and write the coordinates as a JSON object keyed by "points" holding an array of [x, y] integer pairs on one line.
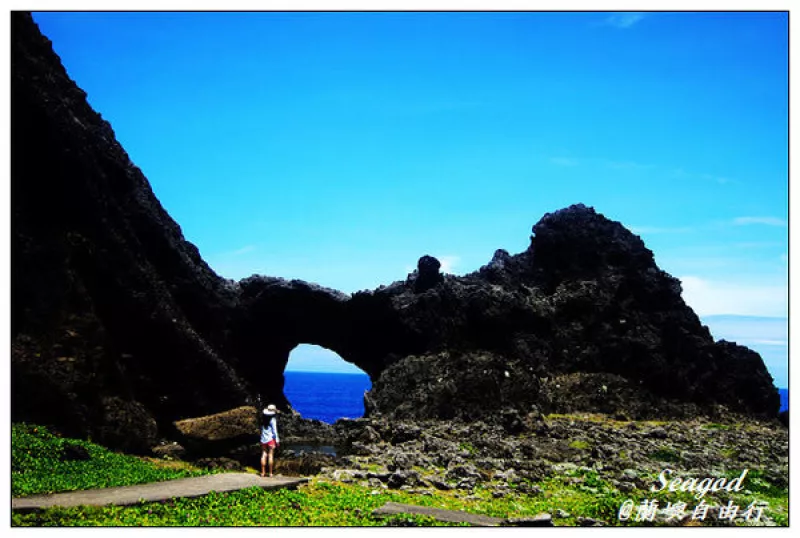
{"points": [[665, 454], [42, 462]]}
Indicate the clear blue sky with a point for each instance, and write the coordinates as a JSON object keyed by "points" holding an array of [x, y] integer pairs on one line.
{"points": [[340, 147]]}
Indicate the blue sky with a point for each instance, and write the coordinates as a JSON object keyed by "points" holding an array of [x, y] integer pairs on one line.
{"points": [[340, 147]]}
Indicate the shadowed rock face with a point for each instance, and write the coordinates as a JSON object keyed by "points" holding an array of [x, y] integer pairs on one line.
{"points": [[116, 320], [586, 296], [119, 327]]}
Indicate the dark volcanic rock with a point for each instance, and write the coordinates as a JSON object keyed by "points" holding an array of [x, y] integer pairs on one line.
{"points": [[783, 417], [237, 430], [428, 274], [454, 385], [585, 298], [119, 328], [115, 317]]}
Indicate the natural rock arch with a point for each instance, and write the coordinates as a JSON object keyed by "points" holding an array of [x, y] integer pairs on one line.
{"points": [[118, 325], [275, 315]]}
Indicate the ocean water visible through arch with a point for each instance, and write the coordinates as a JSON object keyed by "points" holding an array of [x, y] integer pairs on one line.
{"points": [[320, 385]]}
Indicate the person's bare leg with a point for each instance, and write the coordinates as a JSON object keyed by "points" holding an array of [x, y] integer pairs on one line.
{"points": [[271, 452], [264, 462]]}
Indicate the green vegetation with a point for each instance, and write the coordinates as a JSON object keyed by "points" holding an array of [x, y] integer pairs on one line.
{"points": [[777, 499], [318, 504], [729, 453], [43, 462], [665, 454], [717, 426], [579, 445], [468, 447], [322, 503]]}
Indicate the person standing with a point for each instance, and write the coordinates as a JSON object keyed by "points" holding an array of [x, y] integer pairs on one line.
{"points": [[269, 438]]}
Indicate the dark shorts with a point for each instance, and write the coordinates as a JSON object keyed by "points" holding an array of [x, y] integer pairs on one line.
{"points": [[269, 444]]}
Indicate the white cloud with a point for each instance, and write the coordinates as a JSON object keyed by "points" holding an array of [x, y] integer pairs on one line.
{"points": [[564, 161], [719, 179], [768, 221], [313, 358], [659, 230], [712, 297], [769, 331], [243, 250], [680, 173], [763, 342], [624, 20], [767, 336], [449, 263], [628, 165], [758, 244]]}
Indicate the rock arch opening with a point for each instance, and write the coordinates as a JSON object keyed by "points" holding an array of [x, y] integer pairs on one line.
{"points": [[320, 385]]}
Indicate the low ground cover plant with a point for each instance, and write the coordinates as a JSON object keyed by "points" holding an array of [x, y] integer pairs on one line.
{"points": [[43, 462]]}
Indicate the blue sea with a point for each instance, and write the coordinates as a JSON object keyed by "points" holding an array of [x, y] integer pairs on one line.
{"points": [[329, 397], [326, 396]]}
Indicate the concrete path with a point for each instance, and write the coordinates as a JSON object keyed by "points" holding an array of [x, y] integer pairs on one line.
{"points": [[440, 514], [156, 491], [459, 516]]}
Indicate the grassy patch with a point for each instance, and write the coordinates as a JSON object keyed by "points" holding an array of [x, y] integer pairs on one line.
{"points": [[467, 447], [666, 455], [716, 426], [579, 445], [317, 504], [42, 462]]}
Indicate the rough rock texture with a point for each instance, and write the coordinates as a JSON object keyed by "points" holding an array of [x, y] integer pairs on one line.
{"points": [[235, 433], [593, 452], [119, 328], [116, 320], [218, 433], [586, 297]]}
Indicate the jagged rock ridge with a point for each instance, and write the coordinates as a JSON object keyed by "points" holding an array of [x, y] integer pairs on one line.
{"points": [[117, 323], [119, 327]]}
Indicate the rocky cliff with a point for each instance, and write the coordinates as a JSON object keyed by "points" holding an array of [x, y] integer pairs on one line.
{"points": [[117, 323], [119, 326]]}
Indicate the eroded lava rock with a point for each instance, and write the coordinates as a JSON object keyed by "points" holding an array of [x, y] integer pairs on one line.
{"points": [[116, 319]]}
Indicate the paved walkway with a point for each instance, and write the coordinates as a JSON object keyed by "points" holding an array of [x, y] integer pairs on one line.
{"points": [[440, 514], [460, 516], [156, 491]]}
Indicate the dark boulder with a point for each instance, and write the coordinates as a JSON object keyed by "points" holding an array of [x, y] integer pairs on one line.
{"points": [[75, 452], [783, 418], [220, 434], [428, 274]]}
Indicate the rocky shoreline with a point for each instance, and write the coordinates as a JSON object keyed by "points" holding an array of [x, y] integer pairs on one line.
{"points": [[513, 455], [620, 451], [120, 328]]}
